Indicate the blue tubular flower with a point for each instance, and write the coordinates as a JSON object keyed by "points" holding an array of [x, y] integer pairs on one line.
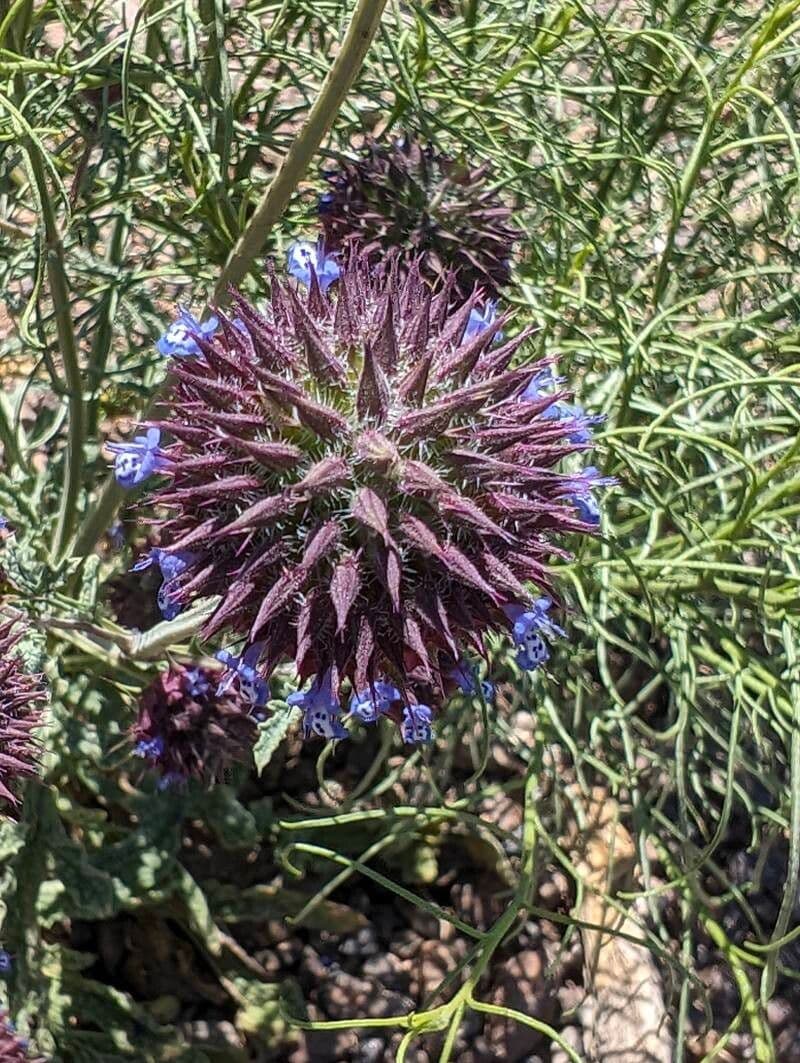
{"points": [[530, 625], [151, 748], [562, 411], [369, 704], [321, 709], [466, 676], [252, 686], [480, 320], [416, 725], [171, 565], [138, 459], [173, 780], [196, 683], [179, 342], [303, 258], [583, 499], [6, 963]]}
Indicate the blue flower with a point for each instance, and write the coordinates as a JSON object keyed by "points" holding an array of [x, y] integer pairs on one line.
{"points": [[151, 748], [171, 781], [3, 522], [325, 201], [466, 675], [171, 565], [480, 320], [196, 683], [138, 459], [178, 341], [530, 625], [369, 704], [304, 256], [251, 685], [416, 725], [583, 499], [6, 963], [321, 709], [562, 411]]}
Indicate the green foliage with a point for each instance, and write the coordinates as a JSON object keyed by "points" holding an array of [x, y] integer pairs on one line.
{"points": [[652, 157]]}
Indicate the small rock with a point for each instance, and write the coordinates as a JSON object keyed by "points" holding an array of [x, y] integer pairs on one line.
{"points": [[389, 970], [779, 1011], [371, 1050]]}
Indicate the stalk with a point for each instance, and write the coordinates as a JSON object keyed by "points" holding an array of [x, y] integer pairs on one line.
{"points": [[340, 77]]}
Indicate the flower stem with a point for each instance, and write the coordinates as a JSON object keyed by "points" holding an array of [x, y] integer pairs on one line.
{"points": [[62, 313], [340, 77]]}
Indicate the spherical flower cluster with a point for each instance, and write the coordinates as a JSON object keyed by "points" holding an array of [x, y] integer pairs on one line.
{"points": [[365, 482], [190, 726], [21, 694], [403, 194]]}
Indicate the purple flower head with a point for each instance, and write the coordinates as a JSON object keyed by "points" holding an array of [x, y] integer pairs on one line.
{"points": [[303, 257], [402, 195], [184, 729], [481, 318], [3, 522], [138, 459], [321, 708], [417, 724], [179, 342], [6, 963], [466, 676], [373, 702], [531, 623], [20, 697], [252, 686], [360, 490], [583, 498]]}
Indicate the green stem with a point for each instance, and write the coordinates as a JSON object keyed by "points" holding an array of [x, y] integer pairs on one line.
{"points": [[340, 77], [59, 293]]}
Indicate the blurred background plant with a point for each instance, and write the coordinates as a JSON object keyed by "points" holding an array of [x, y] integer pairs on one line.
{"points": [[359, 902]]}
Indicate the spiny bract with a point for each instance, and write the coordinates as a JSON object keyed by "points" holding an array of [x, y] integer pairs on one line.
{"points": [[20, 697], [407, 195], [368, 491]]}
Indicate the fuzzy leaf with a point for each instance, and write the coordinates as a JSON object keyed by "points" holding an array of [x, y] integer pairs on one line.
{"points": [[272, 732]]}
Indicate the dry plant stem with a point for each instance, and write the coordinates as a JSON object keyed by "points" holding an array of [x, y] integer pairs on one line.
{"points": [[340, 77]]}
